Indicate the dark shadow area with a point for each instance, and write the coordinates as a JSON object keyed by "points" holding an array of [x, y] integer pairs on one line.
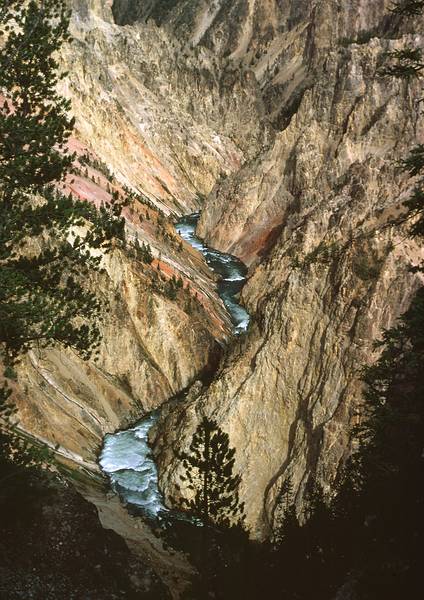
{"points": [[128, 12], [52, 546]]}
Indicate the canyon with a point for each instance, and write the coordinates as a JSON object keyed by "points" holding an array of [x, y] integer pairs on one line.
{"points": [[271, 119]]}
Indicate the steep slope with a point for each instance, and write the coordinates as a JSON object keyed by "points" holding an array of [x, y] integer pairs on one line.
{"points": [[328, 85], [133, 93], [310, 215], [175, 118]]}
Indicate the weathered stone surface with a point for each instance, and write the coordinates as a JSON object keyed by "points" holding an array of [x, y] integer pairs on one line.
{"points": [[169, 118], [289, 393]]}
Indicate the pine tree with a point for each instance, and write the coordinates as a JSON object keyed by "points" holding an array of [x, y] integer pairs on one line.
{"points": [[408, 63], [407, 8], [284, 512], [143, 252], [222, 551], [209, 476], [46, 238]]}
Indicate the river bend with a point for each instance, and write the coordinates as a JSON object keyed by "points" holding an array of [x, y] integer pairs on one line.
{"points": [[126, 457]]}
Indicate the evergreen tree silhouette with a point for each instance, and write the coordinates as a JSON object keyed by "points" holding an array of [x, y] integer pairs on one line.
{"points": [[209, 475], [285, 512], [407, 63], [222, 544]]}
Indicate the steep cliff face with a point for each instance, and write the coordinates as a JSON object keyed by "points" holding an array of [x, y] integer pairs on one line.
{"points": [[338, 115], [167, 117], [310, 216], [132, 92]]}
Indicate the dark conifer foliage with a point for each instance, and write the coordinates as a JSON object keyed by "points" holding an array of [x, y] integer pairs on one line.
{"points": [[46, 239], [209, 476], [405, 63], [34, 125], [407, 8], [408, 64], [219, 548], [286, 519]]}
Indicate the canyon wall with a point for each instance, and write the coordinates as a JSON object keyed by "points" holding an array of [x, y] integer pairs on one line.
{"points": [[170, 118], [270, 116], [311, 216], [163, 123]]}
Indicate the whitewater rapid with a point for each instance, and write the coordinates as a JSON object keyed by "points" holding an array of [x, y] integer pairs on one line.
{"points": [[231, 271], [126, 456]]}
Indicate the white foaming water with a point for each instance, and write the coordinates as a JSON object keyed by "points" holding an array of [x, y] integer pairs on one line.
{"points": [[235, 278], [126, 456], [127, 459], [230, 269]]}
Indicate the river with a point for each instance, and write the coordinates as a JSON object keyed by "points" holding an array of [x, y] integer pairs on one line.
{"points": [[126, 457]]}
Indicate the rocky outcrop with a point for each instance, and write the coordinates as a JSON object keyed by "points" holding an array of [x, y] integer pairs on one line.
{"points": [[311, 216]]}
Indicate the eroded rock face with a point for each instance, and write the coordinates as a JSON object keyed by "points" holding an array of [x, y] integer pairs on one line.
{"points": [[169, 118], [146, 111], [345, 119], [310, 216]]}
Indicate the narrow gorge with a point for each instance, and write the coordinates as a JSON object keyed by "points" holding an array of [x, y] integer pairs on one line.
{"points": [[257, 148], [126, 456]]}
